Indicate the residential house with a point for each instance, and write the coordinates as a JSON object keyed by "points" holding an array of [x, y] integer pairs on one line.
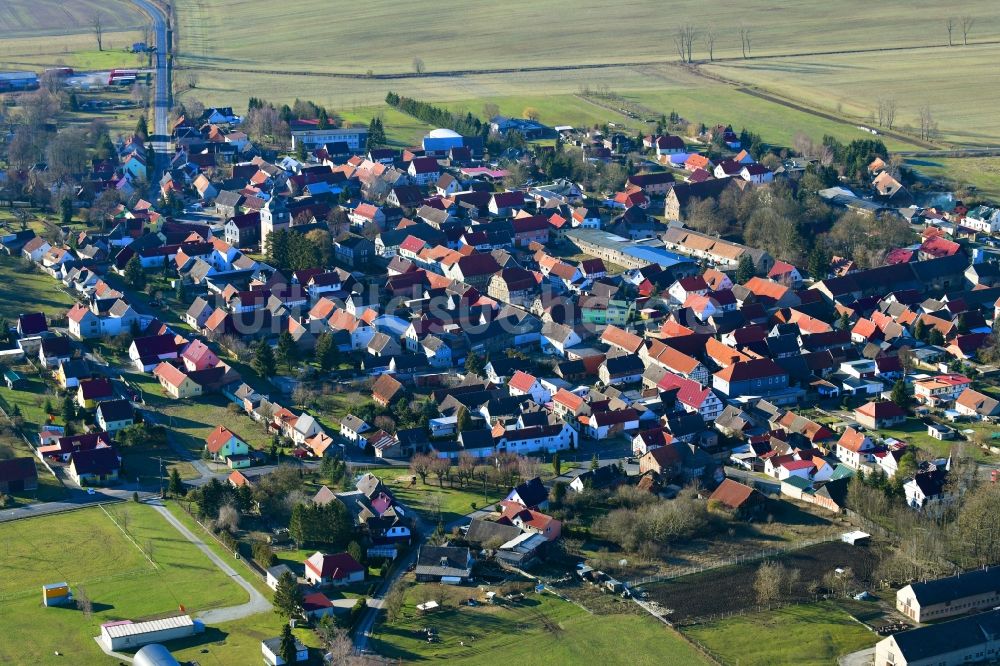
{"points": [[90, 392], [223, 445], [853, 448], [115, 415], [339, 569], [742, 500], [443, 564], [95, 466], [961, 594], [876, 415]]}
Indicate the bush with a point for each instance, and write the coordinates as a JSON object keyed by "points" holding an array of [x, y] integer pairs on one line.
{"points": [[229, 541]]}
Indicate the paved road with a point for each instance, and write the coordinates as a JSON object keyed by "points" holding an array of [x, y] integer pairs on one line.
{"points": [[77, 499], [257, 604], [162, 96]]}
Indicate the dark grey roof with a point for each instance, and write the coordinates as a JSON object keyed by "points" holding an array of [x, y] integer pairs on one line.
{"points": [[926, 643], [443, 561], [957, 587], [532, 493], [481, 531]]}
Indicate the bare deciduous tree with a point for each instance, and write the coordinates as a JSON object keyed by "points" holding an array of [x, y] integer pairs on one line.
{"points": [[229, 518], [768, 582], [967, 23], [418, 65], [710, 43], [82, 600], [949, 25], [97, 25], [684, 41], [927, 125], [886, 111], [745, 41]]}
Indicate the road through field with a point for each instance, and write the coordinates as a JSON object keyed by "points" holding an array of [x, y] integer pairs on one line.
{"points": [[257, 603]]}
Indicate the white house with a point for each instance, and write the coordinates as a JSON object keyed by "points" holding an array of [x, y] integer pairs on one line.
{"points": [[548, 438], [271, 648], [521, 383], [853, 448], [351, 428]]}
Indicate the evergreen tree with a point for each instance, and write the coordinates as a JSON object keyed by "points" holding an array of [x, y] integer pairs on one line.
{"points": [[556, 464], [297, 523], [819, 263], [68, 409], [287, 596], [180, 293], [745, 269], [934, 337], [474, 363], [66, 211], [141, 127], [287, 647], [920, 330], [175, 486], [263, 360], [323, 122], [47, 407], [74, 103], [288, 351], [326, 352], [594, 463], [135, 277], [901, 394]]}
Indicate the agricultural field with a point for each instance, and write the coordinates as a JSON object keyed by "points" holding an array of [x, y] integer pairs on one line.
{"points": [[27, 18], [852, 83], [981, 173], [731, 588], [519, 632], [90, 549], [541, 34], [804, 634]]}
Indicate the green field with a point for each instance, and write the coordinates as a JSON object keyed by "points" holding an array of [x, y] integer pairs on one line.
{"points": [[28, 291], [453, 503], [523, 632], [804, 635], [26, 18], [852, 84], [983, 173], [90, 551], [194, 419]]}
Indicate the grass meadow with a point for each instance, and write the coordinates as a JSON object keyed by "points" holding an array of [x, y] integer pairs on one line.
{"points": [[151, 570], [813, 634], [521, 632]]}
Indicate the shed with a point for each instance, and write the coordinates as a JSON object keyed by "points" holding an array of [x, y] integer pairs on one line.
{"points": [[126, 634], [856, 538], [56, 594]]}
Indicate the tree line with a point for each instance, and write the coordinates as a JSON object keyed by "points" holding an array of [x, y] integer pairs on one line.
{"points": [[467, 125]]}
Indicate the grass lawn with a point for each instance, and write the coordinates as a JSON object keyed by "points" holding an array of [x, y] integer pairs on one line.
{"points": [[802, 634], [519, 633], [194, 419], [983, 173], [29, 291], [433, 502], [237, 643], [30, 399], [914, 432], [88, 550]]}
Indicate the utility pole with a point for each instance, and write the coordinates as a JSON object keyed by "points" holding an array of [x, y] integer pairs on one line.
{"points": [[161, 476]]}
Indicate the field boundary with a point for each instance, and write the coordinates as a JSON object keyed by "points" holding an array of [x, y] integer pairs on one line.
{"points": [[129, 537], [731, 561]]}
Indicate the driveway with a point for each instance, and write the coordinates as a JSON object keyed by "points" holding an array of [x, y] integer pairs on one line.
{"points": [[257, 604]]}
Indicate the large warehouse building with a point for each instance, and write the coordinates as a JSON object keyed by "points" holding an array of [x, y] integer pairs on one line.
{"points": [[18, 81], [126, 635]]}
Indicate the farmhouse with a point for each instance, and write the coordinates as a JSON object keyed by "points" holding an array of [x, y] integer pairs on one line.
{"points": [[444, 564]]}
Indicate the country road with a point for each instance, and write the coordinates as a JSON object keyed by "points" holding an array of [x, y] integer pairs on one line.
{"points": [[161, 99], [257, 604]]}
